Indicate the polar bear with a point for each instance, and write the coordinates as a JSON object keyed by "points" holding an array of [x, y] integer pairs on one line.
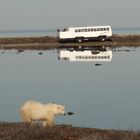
{"points": [[33, 110]]}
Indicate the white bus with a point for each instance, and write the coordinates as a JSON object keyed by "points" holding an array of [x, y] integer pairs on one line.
{"points": [[81, 34]]}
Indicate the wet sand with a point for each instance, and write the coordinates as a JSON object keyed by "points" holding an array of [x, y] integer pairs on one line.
{"points": [[24, 131], [46, 42]]}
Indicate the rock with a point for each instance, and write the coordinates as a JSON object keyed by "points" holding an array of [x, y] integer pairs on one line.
{"points": [[70, 113], [40, 53], [98, 64]]}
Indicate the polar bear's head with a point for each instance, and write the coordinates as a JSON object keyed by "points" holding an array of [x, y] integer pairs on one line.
{"points": [[60, 109], [56, 109]]}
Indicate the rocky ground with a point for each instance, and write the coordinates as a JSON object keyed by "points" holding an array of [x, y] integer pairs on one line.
{"points": [[27, 40], [24, 131], [126, 40]]}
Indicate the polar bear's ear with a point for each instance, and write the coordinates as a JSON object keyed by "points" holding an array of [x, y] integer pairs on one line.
{"points": [[59, 108]]}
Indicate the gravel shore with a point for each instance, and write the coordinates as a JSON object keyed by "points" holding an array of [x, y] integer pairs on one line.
{"points": [[45, 42], [24, 131]]}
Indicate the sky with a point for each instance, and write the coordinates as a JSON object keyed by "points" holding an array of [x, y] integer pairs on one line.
{"points": [[53, 14]]}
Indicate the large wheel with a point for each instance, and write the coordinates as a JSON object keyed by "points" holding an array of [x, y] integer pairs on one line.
{"points": [[79, 40], [103, 39]]}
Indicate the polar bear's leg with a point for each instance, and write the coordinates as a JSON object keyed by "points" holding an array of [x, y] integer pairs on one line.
{"points": [[50, 122], [44, 123], [49, 119], [26, 116]]}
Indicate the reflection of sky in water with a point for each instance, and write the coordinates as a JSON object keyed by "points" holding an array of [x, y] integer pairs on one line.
{"points": [[106, 96]]}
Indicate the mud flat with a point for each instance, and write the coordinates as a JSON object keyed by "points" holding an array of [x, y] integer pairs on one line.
{"points": [[23, 131], [126, 40], [46, 42]]}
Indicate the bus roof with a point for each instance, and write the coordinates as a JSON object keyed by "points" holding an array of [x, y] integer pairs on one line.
{"points": [[81, 27]]}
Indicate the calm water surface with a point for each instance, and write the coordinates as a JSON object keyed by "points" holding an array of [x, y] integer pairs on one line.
{"points": [[53, 32], [101, 96]]}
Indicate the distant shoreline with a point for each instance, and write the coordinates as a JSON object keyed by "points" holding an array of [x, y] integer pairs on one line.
{"points": [[45, 42]]}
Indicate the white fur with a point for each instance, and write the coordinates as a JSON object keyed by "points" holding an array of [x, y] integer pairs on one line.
{"points": [[33, 110]]}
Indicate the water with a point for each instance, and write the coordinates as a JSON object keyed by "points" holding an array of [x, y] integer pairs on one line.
{"points": [[53, 32], [126, 30], [28, 33], [106, 95]]}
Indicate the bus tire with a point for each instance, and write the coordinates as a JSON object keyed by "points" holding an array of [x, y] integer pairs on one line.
{"points": [[103, 39], [79, 40]]}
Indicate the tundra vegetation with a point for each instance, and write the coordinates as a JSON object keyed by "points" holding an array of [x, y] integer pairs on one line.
{"points": [[25, 131]]}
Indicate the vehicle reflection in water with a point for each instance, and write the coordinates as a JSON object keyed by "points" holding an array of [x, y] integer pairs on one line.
{"points": [[86, 54]]}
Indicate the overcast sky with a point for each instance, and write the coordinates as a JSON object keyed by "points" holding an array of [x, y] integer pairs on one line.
{"points": [[53, 14]]}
